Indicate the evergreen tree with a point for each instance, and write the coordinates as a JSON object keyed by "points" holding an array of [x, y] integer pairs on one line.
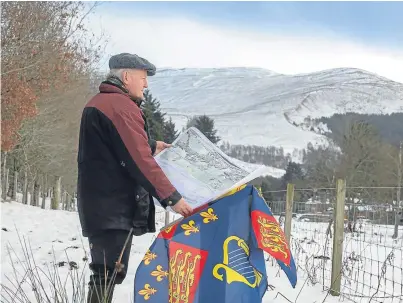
{"points": [[155, 118], [170, 134], [206, 125], [266, 188], [292, 174]]}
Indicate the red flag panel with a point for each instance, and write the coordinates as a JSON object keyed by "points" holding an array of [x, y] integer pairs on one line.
{"points": [[270, 236], [186, 265]]}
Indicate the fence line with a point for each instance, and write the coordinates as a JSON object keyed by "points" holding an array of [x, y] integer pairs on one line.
{"points": [[363, 261]]}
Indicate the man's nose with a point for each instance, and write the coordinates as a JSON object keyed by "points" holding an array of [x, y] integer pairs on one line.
{"points": [[145, 83]]}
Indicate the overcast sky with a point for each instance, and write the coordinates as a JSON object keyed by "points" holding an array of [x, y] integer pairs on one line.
{"points": [[286, 37]]}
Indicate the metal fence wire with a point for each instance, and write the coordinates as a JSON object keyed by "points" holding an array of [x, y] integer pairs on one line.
{"points": [[372, 259]]}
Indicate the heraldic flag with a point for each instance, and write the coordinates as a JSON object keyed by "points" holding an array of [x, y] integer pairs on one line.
{"points": [[215, 255]]}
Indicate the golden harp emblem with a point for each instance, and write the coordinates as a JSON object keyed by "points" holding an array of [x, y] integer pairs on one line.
{"points": [[236, 264]]}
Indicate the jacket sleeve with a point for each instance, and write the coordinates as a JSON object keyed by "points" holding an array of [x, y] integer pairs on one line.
{"points": [[137, 155]]}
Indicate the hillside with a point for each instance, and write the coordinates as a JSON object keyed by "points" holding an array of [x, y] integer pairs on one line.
{"points": [[254, 106]]}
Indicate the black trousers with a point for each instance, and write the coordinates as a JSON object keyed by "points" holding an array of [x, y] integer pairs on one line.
{"points": [[106, 248]]}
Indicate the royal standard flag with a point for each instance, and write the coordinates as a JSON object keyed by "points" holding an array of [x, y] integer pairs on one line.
{"points": [[215, 255]]}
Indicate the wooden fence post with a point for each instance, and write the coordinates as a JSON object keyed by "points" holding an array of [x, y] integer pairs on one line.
{"points": [[338, 238], [166, 217], [288, 211]]}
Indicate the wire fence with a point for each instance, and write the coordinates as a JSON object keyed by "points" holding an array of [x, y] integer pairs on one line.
{"points": [[372, 259]]}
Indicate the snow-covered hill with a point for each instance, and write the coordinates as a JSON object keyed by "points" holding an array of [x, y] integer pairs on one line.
{"points": [[260, 107]]}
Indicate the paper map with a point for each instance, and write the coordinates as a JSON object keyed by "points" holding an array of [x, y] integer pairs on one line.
{"points": [[200, 171]]}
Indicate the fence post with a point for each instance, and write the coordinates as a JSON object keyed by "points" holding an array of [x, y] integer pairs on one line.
{"points": [[338, 238], [166, 217], [288, 211]]}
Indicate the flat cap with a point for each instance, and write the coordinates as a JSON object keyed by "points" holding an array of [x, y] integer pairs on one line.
{"points": [[126, 60]]}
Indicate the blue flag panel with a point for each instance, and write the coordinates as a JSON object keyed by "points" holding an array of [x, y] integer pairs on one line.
{"points": [[215, 255]]}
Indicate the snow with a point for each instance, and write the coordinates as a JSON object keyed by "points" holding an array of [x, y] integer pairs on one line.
{"points": [[55, 236], [270, 170], [365, 252], [272, 106]]}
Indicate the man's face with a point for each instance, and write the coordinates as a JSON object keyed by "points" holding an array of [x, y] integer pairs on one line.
{"points": [[135, 81]]}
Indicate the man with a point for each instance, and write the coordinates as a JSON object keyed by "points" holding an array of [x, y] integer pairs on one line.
{"points": [[117, 174]]}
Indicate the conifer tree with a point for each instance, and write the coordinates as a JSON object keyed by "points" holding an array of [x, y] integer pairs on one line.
{"points": [[170, 134], [205, 124], [155, 118]]}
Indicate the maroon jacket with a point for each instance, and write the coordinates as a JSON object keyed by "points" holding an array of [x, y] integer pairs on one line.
{"points": [[117, 174]]}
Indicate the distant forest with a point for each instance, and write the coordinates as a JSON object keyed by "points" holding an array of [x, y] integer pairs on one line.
{"points": [[271, 155], [388, 127]]}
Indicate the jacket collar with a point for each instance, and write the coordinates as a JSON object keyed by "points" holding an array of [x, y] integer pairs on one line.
{"points": [[115, 85]]}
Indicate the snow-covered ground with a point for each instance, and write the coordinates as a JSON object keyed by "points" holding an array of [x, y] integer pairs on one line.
{"points": [[372, 260], [270, 170], [55, 237]]}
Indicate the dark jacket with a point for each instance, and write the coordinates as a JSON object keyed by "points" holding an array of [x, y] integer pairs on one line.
{"points": [[117, 174]]}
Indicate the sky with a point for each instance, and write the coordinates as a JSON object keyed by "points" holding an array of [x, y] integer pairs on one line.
{"points": [[286, 37]]}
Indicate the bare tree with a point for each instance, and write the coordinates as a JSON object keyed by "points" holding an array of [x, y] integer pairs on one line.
{"points": [[48, 62]]}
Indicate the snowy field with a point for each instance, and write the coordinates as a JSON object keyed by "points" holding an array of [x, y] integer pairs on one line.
{"points": [[55, 239], [372, 269]]}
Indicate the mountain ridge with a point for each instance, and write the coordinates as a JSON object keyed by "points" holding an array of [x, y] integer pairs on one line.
{"points": [[273, 106]]}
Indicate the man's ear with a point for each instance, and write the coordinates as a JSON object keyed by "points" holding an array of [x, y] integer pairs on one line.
{"points": [[124, 76]]}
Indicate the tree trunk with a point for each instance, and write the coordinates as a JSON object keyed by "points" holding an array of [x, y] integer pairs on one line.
{"points": [[15, 187], [25, 188], [32, 192], [45, 186], [3, 185], [73, 203], [6, 184], [57, 193], [44, 191], [37, 191], [67, 200]]}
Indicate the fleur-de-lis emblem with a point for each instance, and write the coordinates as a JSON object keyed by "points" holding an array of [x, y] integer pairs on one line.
{"points": [[259, 192], [190, 228], [159, 273], [208, 215], [147, 291], [149, 256]]}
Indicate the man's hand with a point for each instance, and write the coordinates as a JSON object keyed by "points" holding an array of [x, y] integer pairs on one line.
{"points": [[182, 207], [161, 146]]}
